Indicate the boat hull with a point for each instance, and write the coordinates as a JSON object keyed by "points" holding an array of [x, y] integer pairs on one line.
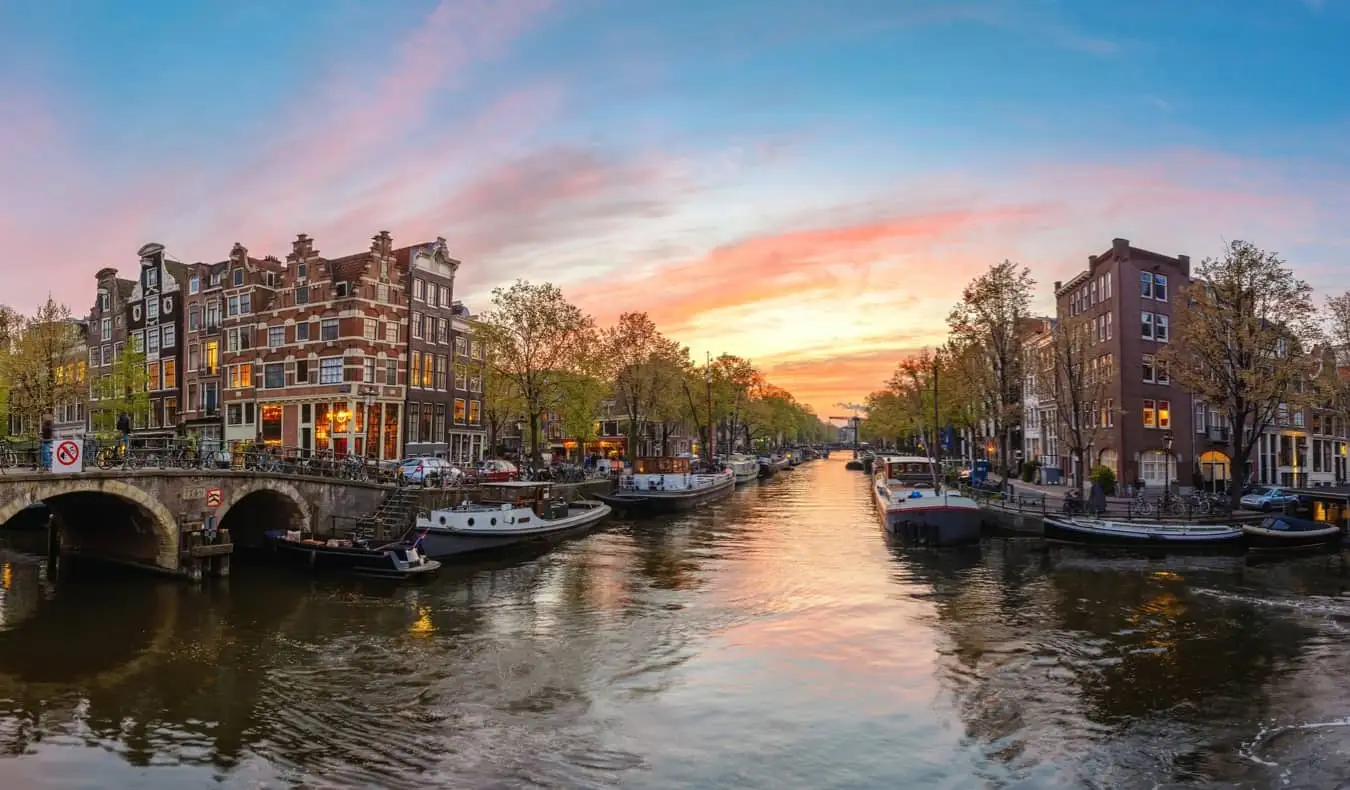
{"points": [[932, 523], [1142, 536], [357, 561], [1259, 539], [746, 477], [657, 502], [442, 543]]}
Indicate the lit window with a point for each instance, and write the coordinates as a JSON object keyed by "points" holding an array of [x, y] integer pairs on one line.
{"points": [[1150, 415]]}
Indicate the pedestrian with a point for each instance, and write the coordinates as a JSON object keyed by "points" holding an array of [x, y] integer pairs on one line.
{"points": [[45, 435], [124, 429]]}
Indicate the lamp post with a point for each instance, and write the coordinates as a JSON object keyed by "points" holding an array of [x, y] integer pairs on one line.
{"points": [[1167, 466]]}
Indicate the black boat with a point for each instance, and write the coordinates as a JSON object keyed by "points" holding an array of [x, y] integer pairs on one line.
{"points": [[400, 559], [1286, 533]]}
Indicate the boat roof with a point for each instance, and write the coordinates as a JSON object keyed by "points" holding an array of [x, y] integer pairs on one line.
{"points": [[518, 484], [907, 459]]}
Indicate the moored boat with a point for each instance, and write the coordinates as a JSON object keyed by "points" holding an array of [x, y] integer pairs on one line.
{"points": [[743, 468], [507, 515], [667, 485], [770, 465], [914, 506], [1286, 533], [399, 559], [1103, 532]]}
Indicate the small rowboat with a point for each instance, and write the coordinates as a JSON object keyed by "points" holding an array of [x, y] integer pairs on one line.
{"points": [[1286, 533], [1101, 532]]}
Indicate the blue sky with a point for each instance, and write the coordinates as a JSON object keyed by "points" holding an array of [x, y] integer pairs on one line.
{"points": [[808, 184]]}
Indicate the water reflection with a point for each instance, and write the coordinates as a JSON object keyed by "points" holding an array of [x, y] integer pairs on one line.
{"points": [[775, 640]]}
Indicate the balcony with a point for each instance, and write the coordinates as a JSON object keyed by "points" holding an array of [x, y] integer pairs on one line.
{"points": [[1217, 433]]}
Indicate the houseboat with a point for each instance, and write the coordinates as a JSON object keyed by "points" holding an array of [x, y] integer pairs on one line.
{"points": [[915, 507], [743, 468], [770, 465], [357, 555], [508, 514], [666, 485]]}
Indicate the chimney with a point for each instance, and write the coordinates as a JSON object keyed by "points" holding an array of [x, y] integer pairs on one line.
{"points": [[302, 248], [1184, 261], [1121, 247], [1092, 261], [1057, 285], [239, 253], [382, 243]]}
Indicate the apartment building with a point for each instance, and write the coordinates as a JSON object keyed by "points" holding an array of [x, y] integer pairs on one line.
{"points": [[1040, 428], [106, 340], [201, 374], [433, 408], [1122, 303], [154, 321], [71, 417], [314, 348], [468, 431]]}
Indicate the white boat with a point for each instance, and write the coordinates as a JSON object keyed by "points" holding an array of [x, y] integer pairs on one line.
{"points": [[667, 485], [1104, 532], [914, 506], [507, 514], [743, 468]]}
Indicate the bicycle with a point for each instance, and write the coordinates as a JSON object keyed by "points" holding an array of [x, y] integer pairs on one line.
{"points": [[8, 458], [1140, 506]]}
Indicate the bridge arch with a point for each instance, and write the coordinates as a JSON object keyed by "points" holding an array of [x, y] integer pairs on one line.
{"points": [[81, 505], [254, 508]]}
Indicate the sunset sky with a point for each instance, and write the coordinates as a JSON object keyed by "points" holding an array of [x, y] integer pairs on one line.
{"points": [[808, 184]]}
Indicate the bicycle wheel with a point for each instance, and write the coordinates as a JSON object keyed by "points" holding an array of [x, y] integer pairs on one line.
{"points": [[104, 459], [8, 459], [1178, 507]]}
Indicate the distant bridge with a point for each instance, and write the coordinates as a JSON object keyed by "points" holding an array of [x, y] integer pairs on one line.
{"points": [[139, 517]]}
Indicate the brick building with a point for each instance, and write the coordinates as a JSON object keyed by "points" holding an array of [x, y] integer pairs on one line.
{"points": [[201, 374], [434, 371], [1123, 304], [107, 338], [154, 324]]}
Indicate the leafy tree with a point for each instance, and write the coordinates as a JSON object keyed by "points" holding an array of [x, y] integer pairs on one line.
{"points": [[124, 391], [989, 324], [1242, 331], [647, 370], [581, 396], [537, 339], [1062, 370], [44, 366], [502, 404]]}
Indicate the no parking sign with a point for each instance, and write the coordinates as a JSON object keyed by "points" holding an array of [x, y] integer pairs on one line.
{"points": [[68, 456]]}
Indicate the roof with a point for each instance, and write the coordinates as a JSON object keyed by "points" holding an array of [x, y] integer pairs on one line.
{"points": [[908, 459], [516, 484]]}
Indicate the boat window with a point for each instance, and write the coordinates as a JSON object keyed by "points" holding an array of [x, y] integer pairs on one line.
{"points": [[661, 466]]}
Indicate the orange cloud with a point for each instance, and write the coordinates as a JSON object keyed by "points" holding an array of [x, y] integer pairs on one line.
{"points": [[821, 382]]}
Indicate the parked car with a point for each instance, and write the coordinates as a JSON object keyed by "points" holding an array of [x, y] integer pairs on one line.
{"points": [[496, 470], [427, 470], [1263, 498]]}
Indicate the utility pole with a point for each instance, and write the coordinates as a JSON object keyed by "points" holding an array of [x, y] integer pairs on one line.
{"points": [[707, 378]]}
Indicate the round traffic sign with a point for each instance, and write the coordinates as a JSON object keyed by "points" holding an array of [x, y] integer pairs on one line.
{"points": [[68, 453]]}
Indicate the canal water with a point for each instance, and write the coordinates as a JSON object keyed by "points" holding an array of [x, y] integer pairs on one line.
{"points": [[772, 641]]}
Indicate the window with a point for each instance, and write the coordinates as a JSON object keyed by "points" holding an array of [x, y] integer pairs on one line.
{"points": [[302, 331], [1146, 322], [194, 360], [1110, 412], [151, 308], [212, 314], [1201, 413], [302, 371], [302, 294], [419, 290], [368, 371], [328, 329], [1150, 414], [117, 351], [382, 292], [245, 304], [475, 383], [391, 372], [369, 329], [274, 375], [232, 306], [1160, 287], [239, 376], [168, 305], [194, 285], [477, 348], [152, 376], [417, 326], [441, 373], [237, 277], [1161, 371], [445, 296], [340, 290], [1150, 369], [1160, 326], [276, 336], [442, 330], [151, 278], [170, 336], [94, 359], [152, 341], [211, 357], [1146, 285], [475, 412], [194, 318], [415, 370], [426, 371], [103, 301], [302, 270], [1107, 320], [1093, 296], [414, 422], [459, 411], [391, 332], [170, 368], [461, 377], [107, 329], [1164, 414], [431, 294], [192, 400], [330, 370], [438, 431]]}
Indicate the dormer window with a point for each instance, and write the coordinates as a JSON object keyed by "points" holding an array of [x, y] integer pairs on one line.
{"points": [[136, 313], [302, 270], [341, 289], [238, 277], [151, 277], [194, 284], [103, 300]]}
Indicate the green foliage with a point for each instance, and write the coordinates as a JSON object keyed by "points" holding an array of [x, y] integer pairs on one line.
{"points": [[125, 390], [1029, 469], [1104, 477]]}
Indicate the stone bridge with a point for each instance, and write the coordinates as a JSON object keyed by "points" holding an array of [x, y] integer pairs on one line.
{"points": [[139, 517]]}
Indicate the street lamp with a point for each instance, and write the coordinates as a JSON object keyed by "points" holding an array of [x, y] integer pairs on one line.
{"points": [[1167, 471]]}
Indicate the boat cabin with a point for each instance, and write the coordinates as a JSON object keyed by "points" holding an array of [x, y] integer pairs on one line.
{"points": [[660, 474], [907, 469], [537, 497], [661, 466]]}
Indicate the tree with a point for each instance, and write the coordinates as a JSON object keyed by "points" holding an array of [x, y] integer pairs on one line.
{"points": [[1338, 333], [581, 396], [1062, 371], [538, 339], [733, 378], [502, 403], [1242, 331], [124, 391], [646, 371], [991, 317], [43, 368]]}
